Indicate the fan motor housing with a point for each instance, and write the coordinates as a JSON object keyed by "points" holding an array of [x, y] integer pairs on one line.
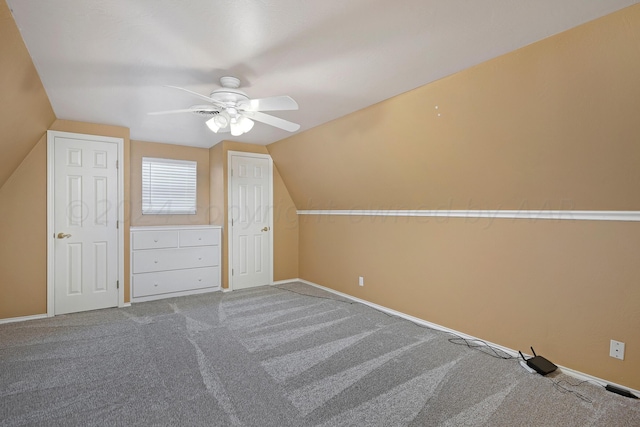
{"points": [[229, 92], [228, 95]]}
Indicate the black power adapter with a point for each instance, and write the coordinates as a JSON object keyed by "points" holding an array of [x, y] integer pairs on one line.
{"points": [[620, 391]]}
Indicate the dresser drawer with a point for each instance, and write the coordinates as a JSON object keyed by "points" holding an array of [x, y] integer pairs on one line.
{"points": [[174, 259], [154, 240], [203, 237], [175, 281]]}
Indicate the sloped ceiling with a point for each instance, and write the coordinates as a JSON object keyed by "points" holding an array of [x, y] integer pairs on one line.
{"points": [[25, 111], [107, 61], [553, 125]]}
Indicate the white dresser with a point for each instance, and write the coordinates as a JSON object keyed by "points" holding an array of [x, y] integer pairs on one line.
{"points": [[172, 261]]}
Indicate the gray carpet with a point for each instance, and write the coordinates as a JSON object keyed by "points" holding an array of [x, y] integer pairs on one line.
{"points": [[272, 357]]}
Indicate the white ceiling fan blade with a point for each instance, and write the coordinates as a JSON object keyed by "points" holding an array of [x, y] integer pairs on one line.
{"points": [[274, 103], [206, 98], [273, 121], [183, 110]]}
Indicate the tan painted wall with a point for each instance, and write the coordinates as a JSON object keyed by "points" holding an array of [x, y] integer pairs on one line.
{"points": [[551, 126], [141, 149], [25, 111], [285, 231], [285, 223], [23, 228], [565, 287], [217, 179]]}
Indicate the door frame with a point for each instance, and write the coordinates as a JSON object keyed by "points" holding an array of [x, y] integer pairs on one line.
{"points": [[230, 154], [51, 137]]}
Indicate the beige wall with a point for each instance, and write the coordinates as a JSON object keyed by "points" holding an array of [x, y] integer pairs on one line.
{"points": [[565, 287], [217, 182], [285, 222], [25, 111], [23, 227], [550, 126], [285, 231], [141, 149], [25, 115]]}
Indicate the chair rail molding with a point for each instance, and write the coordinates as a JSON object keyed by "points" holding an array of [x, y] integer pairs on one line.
{"points": [[491, 214]]}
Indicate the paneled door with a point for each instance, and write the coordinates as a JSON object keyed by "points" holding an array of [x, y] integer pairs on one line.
{"points": [[84, 224], [250, 212]]}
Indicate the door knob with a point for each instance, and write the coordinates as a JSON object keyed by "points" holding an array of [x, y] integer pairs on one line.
{"points": [[63, 236], [265, 229]]}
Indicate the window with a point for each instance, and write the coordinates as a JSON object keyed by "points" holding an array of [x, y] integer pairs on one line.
{"points": [[168, 186]]}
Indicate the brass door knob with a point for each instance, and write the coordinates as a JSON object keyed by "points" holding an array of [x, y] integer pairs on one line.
{"points": [[265, 229], [63, 236]]}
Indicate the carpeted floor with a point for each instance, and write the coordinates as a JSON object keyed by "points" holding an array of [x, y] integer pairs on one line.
{"points": [[272, 357]]}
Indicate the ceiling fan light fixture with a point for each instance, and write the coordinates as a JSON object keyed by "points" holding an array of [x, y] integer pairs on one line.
{"points": [[236, 128], [246, 124], [211, 124], [222, 119], [217, 122]]}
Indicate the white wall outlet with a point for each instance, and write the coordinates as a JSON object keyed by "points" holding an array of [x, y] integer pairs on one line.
{"points": [[360, 281], [617, 349]]}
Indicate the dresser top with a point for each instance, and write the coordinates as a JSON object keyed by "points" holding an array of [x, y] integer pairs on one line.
{"points": [[174, 227]]}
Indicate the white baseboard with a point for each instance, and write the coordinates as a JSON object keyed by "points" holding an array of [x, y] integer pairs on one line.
{"points": [[23, 318], [283, 282], [276, 283], [571, 372]]}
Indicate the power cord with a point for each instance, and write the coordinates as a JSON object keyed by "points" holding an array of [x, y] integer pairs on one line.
{"points": [[495, 352], [315, 296], [562, 388]]}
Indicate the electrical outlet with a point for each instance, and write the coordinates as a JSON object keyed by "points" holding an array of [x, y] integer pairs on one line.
{"points": [[617, 349], [360, 281]]}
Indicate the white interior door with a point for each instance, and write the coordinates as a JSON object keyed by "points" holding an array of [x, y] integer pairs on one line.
{"points": [[250, 211], [84, 224]]}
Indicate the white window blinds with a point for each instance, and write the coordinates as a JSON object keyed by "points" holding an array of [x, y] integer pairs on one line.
{"points": [[168, 186]]}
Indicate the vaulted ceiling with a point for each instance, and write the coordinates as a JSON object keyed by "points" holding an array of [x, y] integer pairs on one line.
{"points": [[107, 61]]}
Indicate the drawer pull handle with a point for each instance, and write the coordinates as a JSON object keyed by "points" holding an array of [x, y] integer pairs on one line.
{"points": [[156, 261], [155, 240], [199, 279], [155, 284], [199, 238], [199, 258]]}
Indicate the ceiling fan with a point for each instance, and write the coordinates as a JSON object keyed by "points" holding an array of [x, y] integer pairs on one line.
{"points": [[231, 110]]}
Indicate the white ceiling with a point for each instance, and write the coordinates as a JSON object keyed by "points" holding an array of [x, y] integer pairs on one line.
{"points": [[106, 61]]}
